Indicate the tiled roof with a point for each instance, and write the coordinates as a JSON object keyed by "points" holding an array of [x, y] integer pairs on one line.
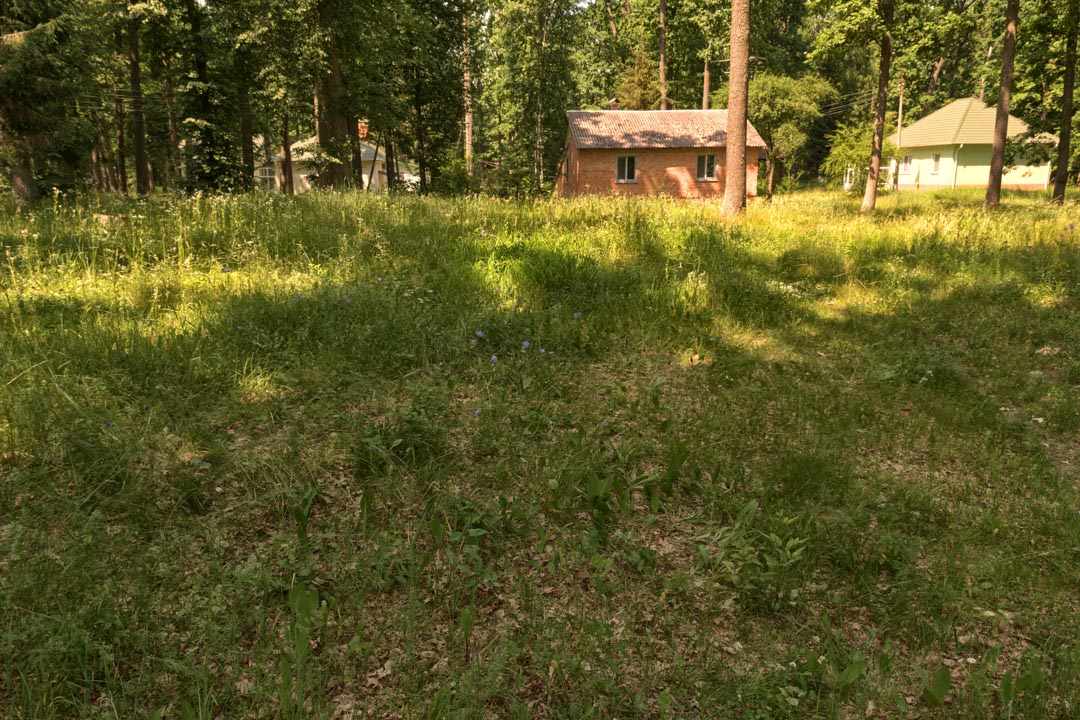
{"points": [[617, 129], [966, 121]]}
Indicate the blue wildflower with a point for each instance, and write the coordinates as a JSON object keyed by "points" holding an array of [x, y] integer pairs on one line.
{"points": [[479, 333], [348, 299], [525, 345], [577, 316], [494, 358], [473, 342], [476, 413]]}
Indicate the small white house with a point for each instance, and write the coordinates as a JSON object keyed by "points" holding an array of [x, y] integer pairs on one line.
{"points": [[269, 175], [951, 148]]}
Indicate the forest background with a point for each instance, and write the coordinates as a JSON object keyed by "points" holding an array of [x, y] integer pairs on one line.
{"points": [[193, 94]]}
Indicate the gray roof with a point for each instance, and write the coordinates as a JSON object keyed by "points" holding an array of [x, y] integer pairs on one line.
{"points": [[633, 129]]}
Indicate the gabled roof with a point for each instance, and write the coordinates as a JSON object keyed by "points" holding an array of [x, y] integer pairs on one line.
{"points": [[633, 129], [966, 121]]}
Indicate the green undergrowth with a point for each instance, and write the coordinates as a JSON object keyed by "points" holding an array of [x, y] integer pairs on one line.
{"points": [[366, 456]]}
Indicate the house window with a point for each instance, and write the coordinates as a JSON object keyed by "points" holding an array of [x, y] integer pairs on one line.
{"points": [[626, 169], [937, 164], [266, 177], [905, 165], [706, 167]]}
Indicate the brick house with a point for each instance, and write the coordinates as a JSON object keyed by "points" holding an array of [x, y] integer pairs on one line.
{"points": [[651, 152]]}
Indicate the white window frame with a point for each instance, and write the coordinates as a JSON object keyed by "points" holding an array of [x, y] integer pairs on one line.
{"points": [[905, 165], [626, 169], [703, 164], [936, 167], [266, 177]]}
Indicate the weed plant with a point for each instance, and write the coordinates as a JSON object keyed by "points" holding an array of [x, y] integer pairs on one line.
{"points": [[385, 456]]}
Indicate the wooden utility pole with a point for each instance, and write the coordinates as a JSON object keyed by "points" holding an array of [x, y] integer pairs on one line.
{"points": [[705, 86], [1001, 119]]}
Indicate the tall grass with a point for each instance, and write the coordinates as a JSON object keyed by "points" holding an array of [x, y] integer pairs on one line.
{"points": [[347, 455]]}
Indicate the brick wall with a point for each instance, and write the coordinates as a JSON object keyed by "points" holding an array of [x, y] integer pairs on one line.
{"points": [[659, 171]]}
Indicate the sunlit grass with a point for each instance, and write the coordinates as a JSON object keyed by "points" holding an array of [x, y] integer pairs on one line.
{"points": [[586, 458]]}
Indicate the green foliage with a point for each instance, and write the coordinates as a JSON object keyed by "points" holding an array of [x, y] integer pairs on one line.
{"points": [[850, 147], [783, 110]]}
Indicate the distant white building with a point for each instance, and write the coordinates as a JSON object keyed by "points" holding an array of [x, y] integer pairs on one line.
{"points": [[950, 148], [270, 175]]}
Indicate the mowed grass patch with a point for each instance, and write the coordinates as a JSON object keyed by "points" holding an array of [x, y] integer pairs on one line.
{"points": [[354, 455]]}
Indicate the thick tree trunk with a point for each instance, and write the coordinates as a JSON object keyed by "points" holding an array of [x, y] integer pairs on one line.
{"points": [[880, 107], [770, 175], [138, 124], [663, 56], [331, 123], [356, 153], [286, 181], [1001, 119], [391, 163], [705, 87], [23, 186], [194, 18], [735, 155], [96, 176], [1061, 175]]}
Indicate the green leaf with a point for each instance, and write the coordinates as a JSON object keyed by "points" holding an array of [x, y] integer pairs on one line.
{"points": [[852, 672], [934, 694]]}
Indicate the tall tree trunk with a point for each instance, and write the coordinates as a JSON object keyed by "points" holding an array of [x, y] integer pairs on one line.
{"points": [[391, 163], [174, 133], [738, 88], [705, 87], [286, 157], [118, 99], [104, 145], [194, 19], [247, 136], [138, 124], [880, 107], [663, 56], [421, 154], [356, 152], [770, 173], [331, 123], [466, 90], [1061, 175], [23, 186], [1001, 119]]}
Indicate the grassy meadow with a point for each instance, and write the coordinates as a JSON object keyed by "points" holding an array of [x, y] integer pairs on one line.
{"points": [[353, 456]]}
